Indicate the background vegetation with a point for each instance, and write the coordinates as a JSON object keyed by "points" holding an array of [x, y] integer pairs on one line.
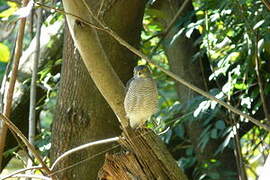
{"points": [[232, 38]]}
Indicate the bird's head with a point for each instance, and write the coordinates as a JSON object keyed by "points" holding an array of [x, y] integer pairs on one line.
{"points": [[142, 71]]}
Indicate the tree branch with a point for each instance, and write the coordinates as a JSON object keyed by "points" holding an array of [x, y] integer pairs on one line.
{"points": [[82, 161], [81, 147], [20, 171], [266, 3], [33, 89], [31, 148], [259, 79], [10, 91], [182, 81], [169, 73], [31, 176]]}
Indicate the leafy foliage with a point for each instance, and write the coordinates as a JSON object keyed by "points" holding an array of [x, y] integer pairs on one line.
{"points": [[234, 35]]}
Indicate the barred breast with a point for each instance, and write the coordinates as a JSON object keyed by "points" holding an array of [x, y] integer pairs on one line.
{"points": [[141, 101]]}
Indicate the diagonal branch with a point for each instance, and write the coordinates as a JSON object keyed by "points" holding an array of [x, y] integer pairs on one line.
{"points": [[31, 176], [266, 3], [170, 25], [176, 77], [11, 85], [31, 148], [169, 73], [20, 171], [81, 147]]}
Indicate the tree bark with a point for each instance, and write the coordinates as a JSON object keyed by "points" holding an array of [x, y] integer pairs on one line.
{"points": [[99, 67], [180, 54], [82, 113]]}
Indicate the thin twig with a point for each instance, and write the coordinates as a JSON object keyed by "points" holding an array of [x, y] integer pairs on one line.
{"points": [[257, 68], [32, 106], [33, 86], [179, 12], [93, 156], [81, 147], [171, 74], [70, 14], [170, 25], [21, 171], [185, 83], [32, 176], [260, 83], [82, 161], [31, 23], [10, 91], [31, 148], [242, 169]]}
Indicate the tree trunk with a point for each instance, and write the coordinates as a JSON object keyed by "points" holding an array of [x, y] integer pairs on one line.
{"points": [[96, 58], [180, 54], [81, 116], [82, 113]]}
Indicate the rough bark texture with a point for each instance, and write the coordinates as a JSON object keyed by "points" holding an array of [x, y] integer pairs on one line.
{"points": [[147, 159], [82, 116], [96, 59], [97, 52], [180, 55], [82, 113]]}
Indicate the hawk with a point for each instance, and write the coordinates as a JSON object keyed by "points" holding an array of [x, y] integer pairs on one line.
{"points": [[141, 100]]}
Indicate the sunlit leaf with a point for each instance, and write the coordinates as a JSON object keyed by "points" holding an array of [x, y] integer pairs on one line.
{"points": [[10, 11], [4, 53], [25, 11], [258, 24], [240, 86], [234, 56]]}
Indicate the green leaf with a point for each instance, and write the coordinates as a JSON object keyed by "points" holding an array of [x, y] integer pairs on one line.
{"points": [[156, 13], [189, 151], [214, 175], [240, 86], [213, 134], [4, 53], [258, 24], [179, 131], [10, 11], [220, 125]]}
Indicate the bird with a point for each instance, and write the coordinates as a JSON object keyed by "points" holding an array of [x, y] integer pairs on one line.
{"points": [[141, 100]]}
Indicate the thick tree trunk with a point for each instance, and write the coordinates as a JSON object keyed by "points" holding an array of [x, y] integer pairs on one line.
{"points": [[81, 116], [180, 54], [82, 113], [147, 158], [99, 65]]}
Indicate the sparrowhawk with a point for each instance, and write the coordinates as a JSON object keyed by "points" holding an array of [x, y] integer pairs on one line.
{"points": [[141, 98]]}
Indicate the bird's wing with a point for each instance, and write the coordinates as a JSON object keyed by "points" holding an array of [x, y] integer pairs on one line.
{"points": [[128, 83]]}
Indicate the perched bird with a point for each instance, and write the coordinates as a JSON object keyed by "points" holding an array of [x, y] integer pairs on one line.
{"points": [[141, 98]]}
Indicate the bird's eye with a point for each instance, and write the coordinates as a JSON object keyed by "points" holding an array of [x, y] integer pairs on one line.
{"points": [[139, 73]]}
